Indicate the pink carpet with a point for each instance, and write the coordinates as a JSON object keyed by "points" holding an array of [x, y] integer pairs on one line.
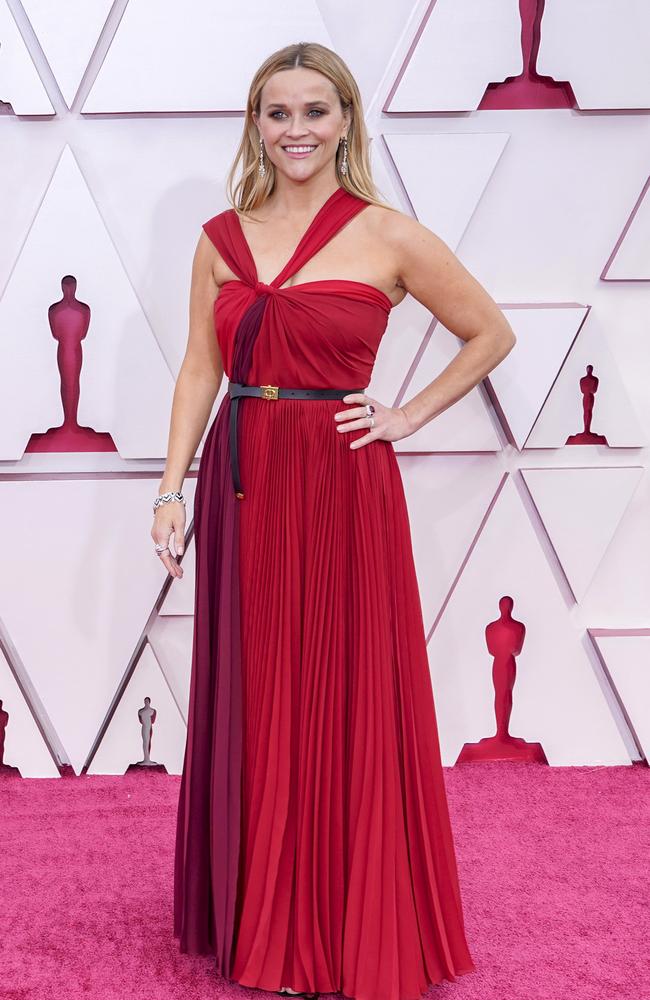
{"points": [[553, 867]]}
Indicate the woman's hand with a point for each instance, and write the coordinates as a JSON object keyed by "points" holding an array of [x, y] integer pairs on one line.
{"points": [[387, 423], [168, 519]]}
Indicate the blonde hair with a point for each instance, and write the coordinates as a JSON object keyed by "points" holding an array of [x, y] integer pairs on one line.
{"points": [[251, 190]]}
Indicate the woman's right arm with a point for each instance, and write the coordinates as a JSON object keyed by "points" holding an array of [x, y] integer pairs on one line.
{"points": [[196, 389]]}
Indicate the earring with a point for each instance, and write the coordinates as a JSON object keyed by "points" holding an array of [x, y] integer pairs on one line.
{"points": [[344, 163], [261, 169]]}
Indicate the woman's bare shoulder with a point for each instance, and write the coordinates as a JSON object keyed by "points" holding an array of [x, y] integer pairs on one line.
{"points": [[388, 230], [208, 248], [392, 224]]}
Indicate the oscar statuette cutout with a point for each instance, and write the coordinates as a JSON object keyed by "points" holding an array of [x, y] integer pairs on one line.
{"points": [[504, 639]]}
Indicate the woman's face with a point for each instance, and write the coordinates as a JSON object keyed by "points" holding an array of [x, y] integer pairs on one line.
{"points": [[300, 107]]}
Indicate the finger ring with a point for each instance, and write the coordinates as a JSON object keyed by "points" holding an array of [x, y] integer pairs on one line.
{"points": [[372, 421], [370, 409], [161, 548]]}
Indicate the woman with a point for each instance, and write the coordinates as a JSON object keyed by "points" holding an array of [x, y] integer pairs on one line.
{"points": [[313, 847]]}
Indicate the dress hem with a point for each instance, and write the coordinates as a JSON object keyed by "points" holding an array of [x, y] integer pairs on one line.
{"points": [[207, 952]]}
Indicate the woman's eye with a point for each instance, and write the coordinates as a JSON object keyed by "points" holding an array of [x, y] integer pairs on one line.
{"points": [[317, 110]]}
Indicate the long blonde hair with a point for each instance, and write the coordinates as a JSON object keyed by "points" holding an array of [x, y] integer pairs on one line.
{"points": [[251, 190]]}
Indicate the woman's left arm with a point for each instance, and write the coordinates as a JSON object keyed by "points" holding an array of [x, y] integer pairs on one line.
{"points": [[433, 275], [431, 272]]}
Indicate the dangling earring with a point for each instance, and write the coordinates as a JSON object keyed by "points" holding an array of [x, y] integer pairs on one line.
{"points": [[344, 163], [261, 169]]}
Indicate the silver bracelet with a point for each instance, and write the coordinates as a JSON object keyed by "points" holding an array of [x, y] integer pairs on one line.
{"points": [[166, 497]]}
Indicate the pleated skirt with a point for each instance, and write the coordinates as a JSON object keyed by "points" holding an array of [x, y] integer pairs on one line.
{"points": [[347, 875]]}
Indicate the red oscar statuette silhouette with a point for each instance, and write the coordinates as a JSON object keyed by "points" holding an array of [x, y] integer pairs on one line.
{"points": [[147, 717], [588, 388], [504, 639], [5, 769], [69, 322], [529, 89]]}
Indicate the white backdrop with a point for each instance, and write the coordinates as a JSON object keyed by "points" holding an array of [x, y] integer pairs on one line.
{"points": [[119, 123]]}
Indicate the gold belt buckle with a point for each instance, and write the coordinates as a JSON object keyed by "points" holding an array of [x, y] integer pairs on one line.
{"points": [[269, 391]]}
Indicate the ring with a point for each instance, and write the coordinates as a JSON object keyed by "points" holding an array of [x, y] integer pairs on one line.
{"points": [[160, 547], [370, 409]]}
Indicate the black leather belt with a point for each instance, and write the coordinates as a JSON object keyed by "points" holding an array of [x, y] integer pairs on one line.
{"points": [[237, 389]]}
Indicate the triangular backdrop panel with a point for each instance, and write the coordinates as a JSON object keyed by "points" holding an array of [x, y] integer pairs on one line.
{"points": [[68, 237], [557, 697], [459, 166], [447, 500], [171, 640], [122, 743], [92, 587], [154, 185], [24, 747], [20, 84], [600, 48], [619, 593], [469, 425], [68, 40], [165, 59], [581, 510], [25, 173], [627, 658], [523, 380], [630, 260], [562, 414], [460, 47]]}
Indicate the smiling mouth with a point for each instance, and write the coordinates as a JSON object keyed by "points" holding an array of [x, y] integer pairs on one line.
{"points": [[304, 150]]}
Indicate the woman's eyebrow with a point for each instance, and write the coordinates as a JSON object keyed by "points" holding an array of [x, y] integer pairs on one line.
{"points": [[307, 104]]}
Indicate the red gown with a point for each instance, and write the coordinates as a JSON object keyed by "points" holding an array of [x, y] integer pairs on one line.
{"points": [[313, 844]]}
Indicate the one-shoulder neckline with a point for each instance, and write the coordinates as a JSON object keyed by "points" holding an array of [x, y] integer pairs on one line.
{"points": [[336, 195]]}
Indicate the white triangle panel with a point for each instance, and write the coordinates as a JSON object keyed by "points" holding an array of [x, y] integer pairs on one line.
{"points": [[631, 258], [581, 510], [445, 175], [171, 640], [447, 499], [557, 697], [155, 182], [24, 745], [68, 39], [20, 84], [468, 425], [612, 415], [461, 47], [600, 48], [68, 237], [620, 591], [122, 743], [627, 657], [167, 58], [81, 580], [25, 171], [522, 381]]}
